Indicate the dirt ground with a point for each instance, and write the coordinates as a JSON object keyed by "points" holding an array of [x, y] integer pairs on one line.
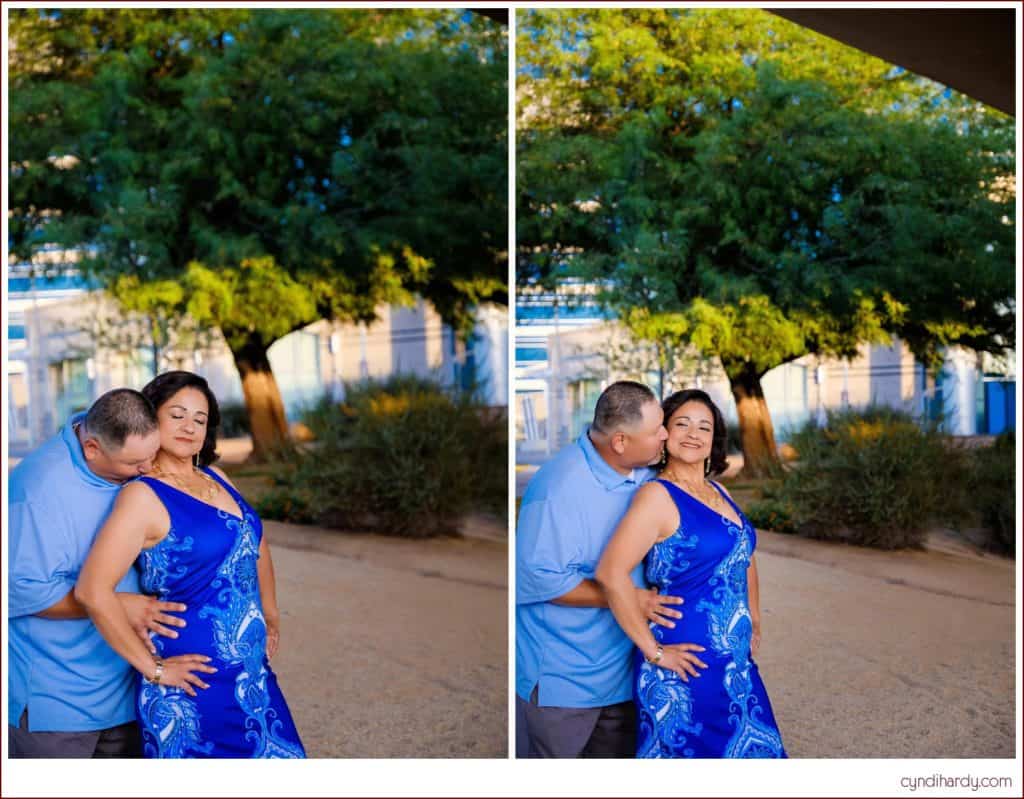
{"points": [[888, 654], [393, 648]]}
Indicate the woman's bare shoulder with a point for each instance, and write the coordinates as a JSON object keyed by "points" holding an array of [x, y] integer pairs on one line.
{"points": [[136, 492], [139, 502], [653, 495], [652, 489]]}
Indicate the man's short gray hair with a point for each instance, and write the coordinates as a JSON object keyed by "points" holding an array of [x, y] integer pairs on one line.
{"points": [[621, 405], [117, 415]]}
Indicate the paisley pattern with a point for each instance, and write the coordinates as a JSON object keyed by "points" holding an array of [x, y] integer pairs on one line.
{"points": [[159, 565], [725, 712], [667, 719], [171, 720], [240, 633], [213, 571]]}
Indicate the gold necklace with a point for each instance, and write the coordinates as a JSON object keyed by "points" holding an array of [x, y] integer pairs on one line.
{"points": [[706, 492], [206, 490]]}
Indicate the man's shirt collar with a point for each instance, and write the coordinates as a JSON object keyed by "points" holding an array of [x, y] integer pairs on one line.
{"points": [[607, 476], [70, 436]]}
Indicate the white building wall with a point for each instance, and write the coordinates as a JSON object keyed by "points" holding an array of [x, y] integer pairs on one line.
{"points": [[490, 350], [307, 363], [804, 389], [959, 386]]}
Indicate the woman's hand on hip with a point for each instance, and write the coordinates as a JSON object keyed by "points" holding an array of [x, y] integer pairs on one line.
{"points": [[182, 671], [682, 659]]}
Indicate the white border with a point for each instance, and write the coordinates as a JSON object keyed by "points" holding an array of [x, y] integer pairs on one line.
{"points": [[511, 616]]}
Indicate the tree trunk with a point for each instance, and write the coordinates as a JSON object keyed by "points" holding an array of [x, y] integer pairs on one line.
{"points": [[267, 421], [757, 434]]}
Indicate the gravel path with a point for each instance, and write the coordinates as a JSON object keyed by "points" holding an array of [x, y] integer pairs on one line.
{"points": [[877, 654], [393, 648]]}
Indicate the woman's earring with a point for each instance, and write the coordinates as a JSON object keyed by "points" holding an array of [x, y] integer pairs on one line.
{"points": [[707, 466], [195, 461]]}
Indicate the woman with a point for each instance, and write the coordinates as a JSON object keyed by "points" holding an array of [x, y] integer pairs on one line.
{"points": [[695, 543], [208, 690]]}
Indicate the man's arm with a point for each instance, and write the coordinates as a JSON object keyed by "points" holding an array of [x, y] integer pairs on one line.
{"points": [[655, 606], [588, 594], [42, 578], [67, 607], [547, 552], [547, 570], [41, 575], [145, 614]]}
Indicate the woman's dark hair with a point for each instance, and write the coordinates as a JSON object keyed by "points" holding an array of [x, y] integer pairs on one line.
{"points": [[162, 387], [717, 463]]}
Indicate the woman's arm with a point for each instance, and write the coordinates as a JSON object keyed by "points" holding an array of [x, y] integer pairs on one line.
{"points": [[650, 517], [754, 603], [135, 521], [268, 596]]}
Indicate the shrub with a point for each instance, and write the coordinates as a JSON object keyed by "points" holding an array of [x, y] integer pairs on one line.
{"points": [[403, 457], [991, 490], [876, 477], [322, 417], [771, 513], [286, 504]]}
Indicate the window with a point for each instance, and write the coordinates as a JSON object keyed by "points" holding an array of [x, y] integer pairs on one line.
{"points": [[583, 396], [531, 419], [72, 387], [531, 354]]}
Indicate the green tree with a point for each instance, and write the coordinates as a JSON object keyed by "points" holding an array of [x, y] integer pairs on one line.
{"points": [[279, 166], [748, 188]]}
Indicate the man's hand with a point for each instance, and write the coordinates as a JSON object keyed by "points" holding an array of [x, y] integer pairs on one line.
{"points": [[148, 614], [655, 606]]}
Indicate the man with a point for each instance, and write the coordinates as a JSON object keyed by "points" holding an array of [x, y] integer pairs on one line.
{"points": [[71, 695], [573, 662]]}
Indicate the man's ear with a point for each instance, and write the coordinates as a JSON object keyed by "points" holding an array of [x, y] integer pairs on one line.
{"points": [[619, 443], [91, 449]]}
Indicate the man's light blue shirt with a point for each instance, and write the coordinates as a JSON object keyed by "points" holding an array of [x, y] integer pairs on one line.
{"points": [[576, 657], [63, 671]]}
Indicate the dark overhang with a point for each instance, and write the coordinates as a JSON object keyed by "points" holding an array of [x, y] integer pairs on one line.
{"points": [[970, 50]]}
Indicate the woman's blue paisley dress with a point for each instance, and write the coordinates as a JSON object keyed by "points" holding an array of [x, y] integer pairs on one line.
{"points": [[725, 712], [208, 562]]}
